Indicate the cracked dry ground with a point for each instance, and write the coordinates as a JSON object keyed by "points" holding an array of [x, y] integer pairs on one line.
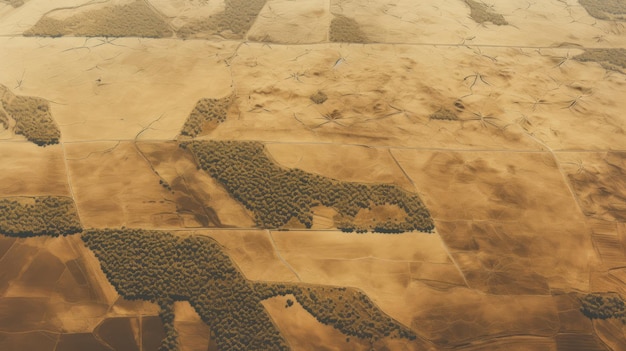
{"points": [[516, 147]]}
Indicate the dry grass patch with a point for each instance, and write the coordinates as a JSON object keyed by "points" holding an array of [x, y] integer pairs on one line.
{"points": [[134, 19], [345, 29], [610, 59], [444, 114], [233, 23], [481, 13], [14, 3], [605, 9]]}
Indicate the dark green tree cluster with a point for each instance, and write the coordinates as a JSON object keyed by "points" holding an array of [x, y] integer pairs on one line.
{"points": [[45, 215], [233, 23], [346, 309], [603, 306], [32, 118], [605, 9], [135, 19], [481, 13], [205, 111], [610, 59], [346, 30], [162, 268], [276, 195]]}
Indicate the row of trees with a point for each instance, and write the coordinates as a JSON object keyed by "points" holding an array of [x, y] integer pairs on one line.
{"points": [[276, 195], [45, 215]]}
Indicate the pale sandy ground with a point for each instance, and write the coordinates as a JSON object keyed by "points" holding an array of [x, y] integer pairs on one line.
{"points": [[526, 187]]}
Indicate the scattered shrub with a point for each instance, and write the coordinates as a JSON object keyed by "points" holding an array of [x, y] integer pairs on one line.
{"points": [[134, 19], [603, 306], [276, 195], [481, 13], [45, 215], [319, 97], [345, 29]]}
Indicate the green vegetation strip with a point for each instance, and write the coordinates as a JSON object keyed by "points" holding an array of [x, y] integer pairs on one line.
{"points": [[276, 195], [134, 19], [163, 268], [604, 306], [46, 215], [610, 59], [32, 117], [206, 111]]}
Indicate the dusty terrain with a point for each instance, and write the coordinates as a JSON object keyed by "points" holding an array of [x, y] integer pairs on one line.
{"points": [[494, 113]]}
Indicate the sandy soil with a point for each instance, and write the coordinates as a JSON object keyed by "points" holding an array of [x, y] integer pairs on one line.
{"points": [[524, 177]]}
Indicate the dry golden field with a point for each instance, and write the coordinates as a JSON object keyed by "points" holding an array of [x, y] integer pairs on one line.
{"points": [[312, 175]]}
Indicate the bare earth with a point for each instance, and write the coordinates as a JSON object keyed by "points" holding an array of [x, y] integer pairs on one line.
{"points": [[516, 148]]}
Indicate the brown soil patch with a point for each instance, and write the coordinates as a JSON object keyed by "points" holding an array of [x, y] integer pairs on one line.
{"points": [[119, 333], [599, 181], [80, 342], [152, 333], [22, 313], [115, 186], [254, 254], [26, 169], [40, 341], [40, 278], [195, 193]]}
